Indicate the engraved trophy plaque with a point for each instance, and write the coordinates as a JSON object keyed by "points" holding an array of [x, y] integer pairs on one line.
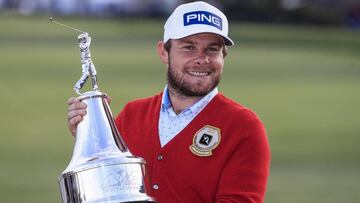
{"points": [[101, 170]]}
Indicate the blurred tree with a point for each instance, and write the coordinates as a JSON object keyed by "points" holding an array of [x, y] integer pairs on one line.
{"points": [[256, 10]]}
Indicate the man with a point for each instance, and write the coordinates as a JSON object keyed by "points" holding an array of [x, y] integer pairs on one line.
{"points": [[199, 145]]}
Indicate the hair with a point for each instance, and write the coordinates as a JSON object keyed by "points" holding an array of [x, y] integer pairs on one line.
{"points": [[167, 47]]}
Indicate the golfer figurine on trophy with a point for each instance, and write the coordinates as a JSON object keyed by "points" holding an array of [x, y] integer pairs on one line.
{"points": [[101, 170]]}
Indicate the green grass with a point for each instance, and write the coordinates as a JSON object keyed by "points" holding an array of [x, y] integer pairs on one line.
{"points": [[303, 82]]}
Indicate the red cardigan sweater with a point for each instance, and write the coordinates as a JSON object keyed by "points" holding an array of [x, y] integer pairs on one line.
{"points": [[235, 170]]}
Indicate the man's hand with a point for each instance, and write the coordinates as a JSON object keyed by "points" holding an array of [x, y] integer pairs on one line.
{"points": [[76, 112]]}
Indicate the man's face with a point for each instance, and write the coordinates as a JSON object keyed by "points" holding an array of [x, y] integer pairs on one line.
{"points": [[195, 64]]}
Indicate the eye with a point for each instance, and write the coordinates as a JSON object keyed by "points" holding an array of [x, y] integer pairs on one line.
{"points": [[189, 47], [213, 49]]}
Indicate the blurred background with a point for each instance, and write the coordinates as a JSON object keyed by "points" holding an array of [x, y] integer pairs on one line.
{"points": [[295, 62]]}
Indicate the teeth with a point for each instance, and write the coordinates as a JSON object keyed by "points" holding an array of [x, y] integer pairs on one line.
{"points": [[198, 73]]}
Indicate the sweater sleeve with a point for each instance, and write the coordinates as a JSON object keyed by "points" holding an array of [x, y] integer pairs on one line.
{"points": [[244, 177], [119, 121]]}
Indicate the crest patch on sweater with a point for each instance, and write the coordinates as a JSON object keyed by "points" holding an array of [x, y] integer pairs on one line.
{"points": [[205, 140]]}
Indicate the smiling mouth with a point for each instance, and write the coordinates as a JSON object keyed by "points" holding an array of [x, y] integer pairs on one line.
{"points": [[197, 73]]}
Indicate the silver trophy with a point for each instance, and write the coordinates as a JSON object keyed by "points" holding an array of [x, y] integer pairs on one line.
{"points": [[101, 170]]}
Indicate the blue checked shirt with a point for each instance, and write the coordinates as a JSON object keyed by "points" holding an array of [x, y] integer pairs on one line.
{"points": [[170, 123]]}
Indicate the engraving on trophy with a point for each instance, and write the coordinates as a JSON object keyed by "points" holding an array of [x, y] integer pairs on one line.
{"points": [[122, 180]]}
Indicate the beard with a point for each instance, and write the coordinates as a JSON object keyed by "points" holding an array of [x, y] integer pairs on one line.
{"points": [[184, 88]]}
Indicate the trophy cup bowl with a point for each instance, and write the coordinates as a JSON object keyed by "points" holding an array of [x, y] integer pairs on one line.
{"points": [[101, 170]]}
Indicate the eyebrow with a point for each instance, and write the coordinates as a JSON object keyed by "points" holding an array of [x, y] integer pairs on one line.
{"points": [[215, 44], [186, 41]]}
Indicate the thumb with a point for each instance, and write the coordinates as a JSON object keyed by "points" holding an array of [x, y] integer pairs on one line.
{"points": [[108, 99]]}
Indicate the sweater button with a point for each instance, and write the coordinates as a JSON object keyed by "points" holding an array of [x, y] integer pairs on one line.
{"points": [[160, 157], [156, 186]]}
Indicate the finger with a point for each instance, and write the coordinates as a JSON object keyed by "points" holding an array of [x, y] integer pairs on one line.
{"points": [[72, 100], [77, 105], [72, 123], [108, 99], [75, 113]]}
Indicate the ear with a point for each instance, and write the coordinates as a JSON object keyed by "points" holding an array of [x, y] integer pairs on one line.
{"points": [[163, 54]]}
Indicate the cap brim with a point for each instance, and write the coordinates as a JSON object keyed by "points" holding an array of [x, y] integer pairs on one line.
{"points": [[228, 41]]}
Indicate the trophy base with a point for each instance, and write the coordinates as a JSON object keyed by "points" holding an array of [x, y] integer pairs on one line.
{"points": [[111, 182]]}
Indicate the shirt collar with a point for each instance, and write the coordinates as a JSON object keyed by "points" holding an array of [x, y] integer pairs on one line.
{"points": [[166, 103]]}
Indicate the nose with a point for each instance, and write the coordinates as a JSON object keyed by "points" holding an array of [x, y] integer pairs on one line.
{"points": [[200, 60]]}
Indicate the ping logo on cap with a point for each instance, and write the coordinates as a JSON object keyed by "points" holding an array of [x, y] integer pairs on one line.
{"points": [[202, 17]]}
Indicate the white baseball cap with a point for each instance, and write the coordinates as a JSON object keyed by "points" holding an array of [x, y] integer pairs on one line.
{"points": [[196, 17]]}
